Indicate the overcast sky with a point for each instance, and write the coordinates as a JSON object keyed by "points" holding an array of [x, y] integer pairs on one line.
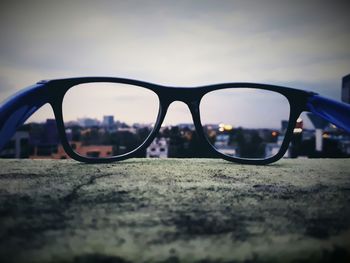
{"points": [[302, 44]]}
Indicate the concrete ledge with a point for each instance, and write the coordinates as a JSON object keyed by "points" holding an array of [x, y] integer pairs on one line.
{"points": [[192, 210]]}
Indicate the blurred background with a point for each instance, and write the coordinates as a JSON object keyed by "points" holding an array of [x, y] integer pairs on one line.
{"points": [[299, 44]]}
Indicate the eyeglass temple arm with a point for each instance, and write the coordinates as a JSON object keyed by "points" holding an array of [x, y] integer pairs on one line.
{"points": [[18, 108], [337, 113]]}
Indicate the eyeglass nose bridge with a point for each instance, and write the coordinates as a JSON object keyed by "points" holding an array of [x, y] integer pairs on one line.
{"points": [[190, 96]]}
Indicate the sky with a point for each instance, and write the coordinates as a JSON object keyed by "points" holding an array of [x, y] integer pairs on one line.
{"points": [[301, 44]]}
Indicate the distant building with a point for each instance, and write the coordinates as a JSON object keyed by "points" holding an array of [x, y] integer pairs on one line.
{"points": [[159, 148], [101, 151], [345, 92], [44, 138], [127, 129], [88, 122], [51, 132], [222, 144], [344, 146], [108, 122], [273, 148], [183, 126], [44, 133], [284, 125], [17, 147]]}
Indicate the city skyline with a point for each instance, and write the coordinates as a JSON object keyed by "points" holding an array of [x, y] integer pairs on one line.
{"points": [[106, 137], [86, 122]]}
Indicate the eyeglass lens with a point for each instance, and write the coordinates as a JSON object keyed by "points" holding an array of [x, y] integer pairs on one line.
{"points": [[108, 119], [246, 123]]}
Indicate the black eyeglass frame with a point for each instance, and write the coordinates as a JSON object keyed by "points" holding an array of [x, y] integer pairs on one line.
{"points": [[56, 89], [18, 108]]}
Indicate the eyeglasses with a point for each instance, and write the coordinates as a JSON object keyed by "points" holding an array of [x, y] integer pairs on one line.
{"points": [[102, 119]]}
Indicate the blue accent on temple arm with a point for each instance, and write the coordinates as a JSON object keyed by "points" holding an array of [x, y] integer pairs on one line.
{"points": [[18, 108], [333, 111]]}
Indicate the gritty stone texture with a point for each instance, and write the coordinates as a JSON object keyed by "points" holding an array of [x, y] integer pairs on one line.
{"points": [[175, 210]]}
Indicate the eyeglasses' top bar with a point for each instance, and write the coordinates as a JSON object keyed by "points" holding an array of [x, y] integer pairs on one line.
{"points": [[333, 111], [82, 80]]}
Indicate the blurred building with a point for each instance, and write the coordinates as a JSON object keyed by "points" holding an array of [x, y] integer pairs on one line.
{"points": [[284, 125], [222, 144], [159, 148], [101, 151], [17, 147], [44, 138], [88, 122], [95, 151], [186, 126], [345, 91], [108, 122]]}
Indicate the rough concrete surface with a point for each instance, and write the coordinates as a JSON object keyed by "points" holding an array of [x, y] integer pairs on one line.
{"points": [[175, 210]]}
